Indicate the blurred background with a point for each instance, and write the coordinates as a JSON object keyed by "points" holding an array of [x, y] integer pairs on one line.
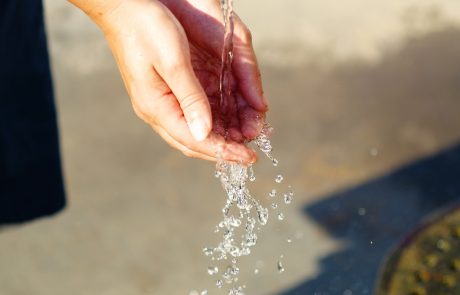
{"points": [[365, 101]]}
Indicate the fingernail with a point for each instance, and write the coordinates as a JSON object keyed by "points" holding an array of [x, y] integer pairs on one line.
{"points": [[199, 129]]}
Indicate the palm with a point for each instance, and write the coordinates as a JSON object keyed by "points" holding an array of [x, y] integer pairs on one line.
{"points": [[225, 114], [169, 87], [236, 116]]}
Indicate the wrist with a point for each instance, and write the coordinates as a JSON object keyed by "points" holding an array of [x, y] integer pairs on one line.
{"points": [[98, 10]]}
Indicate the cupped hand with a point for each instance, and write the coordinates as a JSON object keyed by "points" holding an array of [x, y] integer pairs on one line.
{"points": [[169, 56]]}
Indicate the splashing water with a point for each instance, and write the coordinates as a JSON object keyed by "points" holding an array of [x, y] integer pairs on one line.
{"points": [[243, 215]]}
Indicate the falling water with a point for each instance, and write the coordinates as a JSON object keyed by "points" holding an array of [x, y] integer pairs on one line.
{"points": [[243, 215], [227, 53]]}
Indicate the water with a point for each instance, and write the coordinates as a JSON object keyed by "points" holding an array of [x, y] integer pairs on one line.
{"points": [[243, 218], [227, 53], [212, 270], [279, 178], [288, 198], [243, 215], [280, 266]]}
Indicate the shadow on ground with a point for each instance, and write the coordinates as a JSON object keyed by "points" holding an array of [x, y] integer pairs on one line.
{"points": [[372, 217]]}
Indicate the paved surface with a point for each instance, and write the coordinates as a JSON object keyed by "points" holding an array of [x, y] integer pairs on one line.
{"points": [[364, 98]]}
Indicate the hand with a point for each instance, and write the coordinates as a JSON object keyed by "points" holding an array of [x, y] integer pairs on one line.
{"points": [[171, 67]]}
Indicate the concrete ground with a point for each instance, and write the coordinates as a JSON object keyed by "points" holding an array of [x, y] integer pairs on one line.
{"points": [[365, 103]]}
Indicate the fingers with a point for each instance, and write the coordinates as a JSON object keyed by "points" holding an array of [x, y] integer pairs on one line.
{"points": [[213, 146], [246, 69], [161, 109], [185, 150], [172, 62], [192, 100], [251, 120]]}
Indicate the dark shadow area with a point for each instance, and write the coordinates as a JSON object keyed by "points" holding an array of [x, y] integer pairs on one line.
{"points": [[418, 85], [373, 217]]}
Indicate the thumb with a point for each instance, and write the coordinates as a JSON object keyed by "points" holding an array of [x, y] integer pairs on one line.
{"points": [[192, 100]]}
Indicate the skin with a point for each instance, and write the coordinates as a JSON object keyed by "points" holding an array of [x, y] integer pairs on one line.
{"points": [[169, 56]]}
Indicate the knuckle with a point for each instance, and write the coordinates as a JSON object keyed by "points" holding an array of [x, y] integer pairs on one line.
{"points": [[190, 100], [176, 65], [146, 111]]}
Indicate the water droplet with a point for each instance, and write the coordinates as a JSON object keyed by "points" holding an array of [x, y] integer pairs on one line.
{"points": [[204, 292], [279, 178], [251, 239], [262, 214], [208, 251], [256, 271], [280, 266], [362, 211], [274, 205], [287, 199], [280, 216], [272, 193], [219, 283], [275, 162], [212, 270], [252, 176], [235, 222], [289, 240], [236, 291], [234, 270], [245, 251]]}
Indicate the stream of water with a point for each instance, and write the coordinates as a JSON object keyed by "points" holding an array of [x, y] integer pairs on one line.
{"points": [[243, 215]]}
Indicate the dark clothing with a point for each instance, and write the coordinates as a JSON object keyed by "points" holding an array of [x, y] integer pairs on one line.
{"points": [[31, 183]]}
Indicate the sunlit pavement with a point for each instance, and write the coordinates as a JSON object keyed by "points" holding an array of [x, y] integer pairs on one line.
{"points": [[364, 99]]}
